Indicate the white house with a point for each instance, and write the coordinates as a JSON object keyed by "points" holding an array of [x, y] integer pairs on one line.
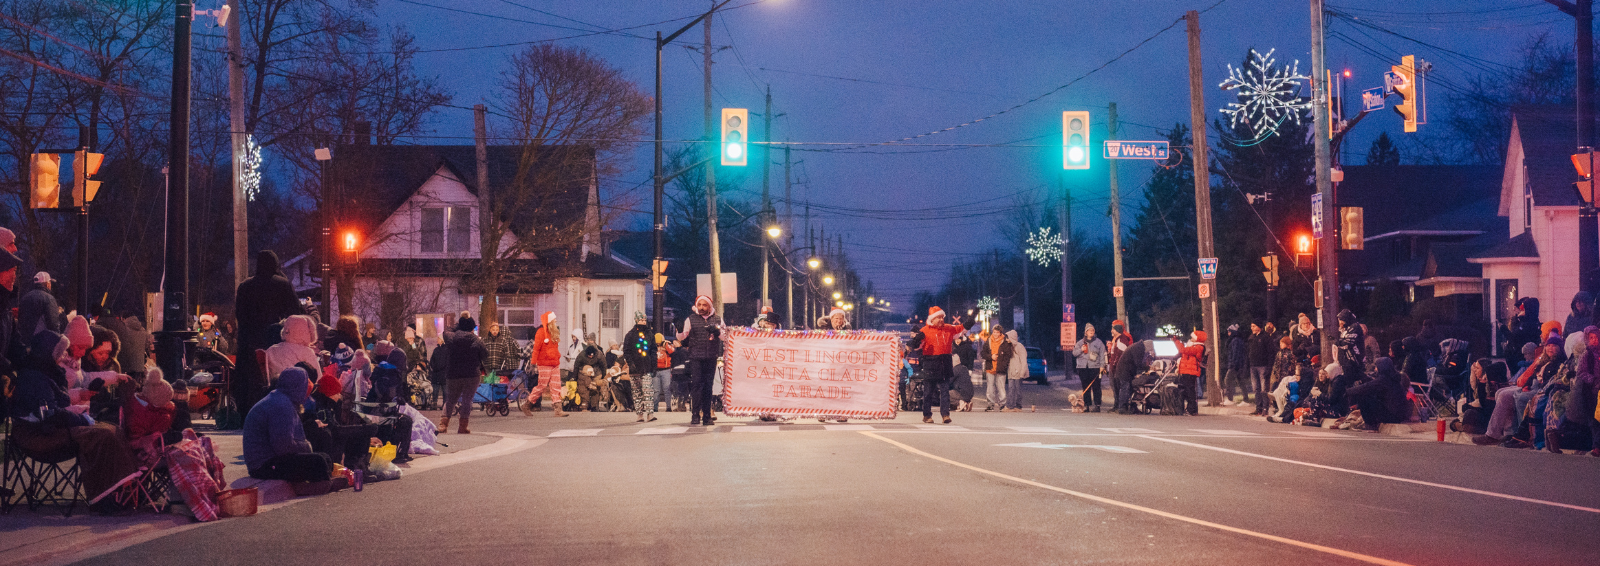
{"points": [[1536, 196], [414, 214]]}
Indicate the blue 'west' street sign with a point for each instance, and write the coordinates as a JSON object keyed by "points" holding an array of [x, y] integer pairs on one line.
{"points": [[1136, 150], [1372, 99]]}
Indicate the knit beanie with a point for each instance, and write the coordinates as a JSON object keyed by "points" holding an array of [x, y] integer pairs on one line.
{"points": [[156, 391], [78, 332], [329, 386]]}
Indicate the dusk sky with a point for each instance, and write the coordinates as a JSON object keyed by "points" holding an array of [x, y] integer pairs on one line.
{"points": [[866, 72]]}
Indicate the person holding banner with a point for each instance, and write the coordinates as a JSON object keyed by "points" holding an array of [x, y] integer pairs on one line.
{"points": [[937, 341], [702, 336]]}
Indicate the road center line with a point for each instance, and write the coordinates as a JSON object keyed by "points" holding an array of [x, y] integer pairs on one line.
{"points": [[1142, 509], [1381, 476]]}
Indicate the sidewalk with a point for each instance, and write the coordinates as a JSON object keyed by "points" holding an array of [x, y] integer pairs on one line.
{"points": [[45, 536]]}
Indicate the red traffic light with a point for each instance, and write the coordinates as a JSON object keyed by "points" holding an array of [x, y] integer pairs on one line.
{"points": [[351, 242]]}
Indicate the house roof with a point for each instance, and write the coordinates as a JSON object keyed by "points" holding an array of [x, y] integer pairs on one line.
{"points": [[1450, 260], [375, 180], [1522, 245], [1445, 197], [1549, 138]]}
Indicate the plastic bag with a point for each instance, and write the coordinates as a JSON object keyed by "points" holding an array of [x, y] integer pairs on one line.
{"points": [[422, 432], [381, 455]]}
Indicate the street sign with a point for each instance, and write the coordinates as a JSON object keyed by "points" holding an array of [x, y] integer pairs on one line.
{"points": [[1316, 216], [1069, 335], [1069, 313], [1136, 150], [1116, 291], [1208, 268], [1392, 79], [1372, 99], [1205, 290]]}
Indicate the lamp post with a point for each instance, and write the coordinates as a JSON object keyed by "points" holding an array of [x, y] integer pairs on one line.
{"points": [[659, 295], [174, 333]]}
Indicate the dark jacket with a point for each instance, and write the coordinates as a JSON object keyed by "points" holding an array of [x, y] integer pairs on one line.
{"points": [[1352, 344], [1261, 349], [993, 363], [704, 341], [262, 302], [1415, 366], [40, 381], [1131, 364], [467, 355], [38, 311], [12, 347], [1306, 346], [639, 349], [272, 428], [1524, 329], [335, 338], [135, 346], [590, 355], [439, 364], [1388, 387], [1577, 321], [1238, 354]]}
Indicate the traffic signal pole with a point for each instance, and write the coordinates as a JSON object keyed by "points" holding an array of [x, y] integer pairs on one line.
{"points": [[1202, 205], [1328, 246], [175, 273], [1116, 222], [711, 186]]}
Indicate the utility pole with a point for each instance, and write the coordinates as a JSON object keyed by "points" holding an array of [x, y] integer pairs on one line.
{"points": [[487, 308], [1202, 202], [788, 227], [1328, 247], [1066, 264], [236, 126], [175, 271], [1116, 223], [711, 184], [85, 145], [1582, 12], [766, 202]]}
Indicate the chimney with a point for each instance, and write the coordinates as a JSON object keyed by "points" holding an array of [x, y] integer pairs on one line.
{"points": [[363, 132]]}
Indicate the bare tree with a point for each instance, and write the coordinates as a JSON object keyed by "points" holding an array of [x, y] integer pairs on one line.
{"points": [[572, 113]]}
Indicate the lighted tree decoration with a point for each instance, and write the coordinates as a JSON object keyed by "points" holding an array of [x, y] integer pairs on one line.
{"points": [[1269, 95], [250, 170], [1044, 246]]}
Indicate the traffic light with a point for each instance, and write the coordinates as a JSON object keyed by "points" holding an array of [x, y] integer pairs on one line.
{"points": [[735, 136], [1406, 86], [44, 173], [1270, 262], [1075, 139], [658, 273], [1582, 162], [84, 166], [351, 242], [1305, 252], [1352, 235]]}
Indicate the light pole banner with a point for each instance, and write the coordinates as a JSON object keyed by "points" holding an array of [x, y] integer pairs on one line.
{"points": [[853, 374]]}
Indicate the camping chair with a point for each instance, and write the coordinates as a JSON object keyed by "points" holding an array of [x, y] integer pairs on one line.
{"points": [[41, 479], [1421, 395], [150, 483]]}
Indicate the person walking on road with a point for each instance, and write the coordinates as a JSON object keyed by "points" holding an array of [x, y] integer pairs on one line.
{"points": [[467, 355], [1016, 371], [1091, 362], [937, 342], [702, 336], [639, 351], [546, 357]]}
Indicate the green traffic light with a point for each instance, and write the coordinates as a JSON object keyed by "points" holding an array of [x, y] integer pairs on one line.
{"points": [[735, 151], [1075, 154]]}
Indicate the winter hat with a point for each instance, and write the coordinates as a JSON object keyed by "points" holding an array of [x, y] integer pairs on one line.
{"points": [[8, 239], [1333, 370], [329, 386], [210, 317], [1528, 350], [466, 324], [836, 311], [382, 348], [1549, 328], [1554, 341], [299, 329], [1385, 365], [1347, 317], [1575, 345], [1118, 324], [157, 392], [638, 316], [343, 356], [1201, 336], [361, 361], [294, 383], [1316, 360], [41, 278], [78, 332], [577, 335], [660, 338]]}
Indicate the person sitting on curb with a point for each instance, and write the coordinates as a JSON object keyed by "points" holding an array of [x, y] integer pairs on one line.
{"points": [[1510, 403], [275, 445], [1383, 399]]}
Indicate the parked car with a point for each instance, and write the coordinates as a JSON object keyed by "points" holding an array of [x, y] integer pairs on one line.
{"points": [[1038, 369]]}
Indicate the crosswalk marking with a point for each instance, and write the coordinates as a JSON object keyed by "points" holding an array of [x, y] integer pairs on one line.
{"points": [[767, 428], [941, 427], [847, 427], [1035, 429], [1131, 430], [576, 432], [1317, 434], [1221, 432], [664, 430]]}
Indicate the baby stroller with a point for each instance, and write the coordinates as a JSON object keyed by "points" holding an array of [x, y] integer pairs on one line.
{"points": [[1155, 390], [421, 389]]}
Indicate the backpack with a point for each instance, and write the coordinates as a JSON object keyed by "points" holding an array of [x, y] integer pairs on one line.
{"points": [[1171, 400]]}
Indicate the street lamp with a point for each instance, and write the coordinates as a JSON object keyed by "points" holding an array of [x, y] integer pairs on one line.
{"points": [[774, 231], [827, 280], [813, 263], [837, 295]]}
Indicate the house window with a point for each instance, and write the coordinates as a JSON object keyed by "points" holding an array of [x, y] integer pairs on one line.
{"points": [[446, 228], [610, 311]]}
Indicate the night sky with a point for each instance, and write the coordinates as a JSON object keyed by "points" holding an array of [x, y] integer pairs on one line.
{"points": [[903, 68]]}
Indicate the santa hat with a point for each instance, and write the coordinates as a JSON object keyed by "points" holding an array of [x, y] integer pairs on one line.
{"points": [[210, 317], [699, 298], [836, 311], [550, 317], [934, 311], [78, 332]]}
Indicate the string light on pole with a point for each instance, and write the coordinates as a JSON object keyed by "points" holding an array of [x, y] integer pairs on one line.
{"points": [[1044, 247], [250, 173], [1269, 95]]}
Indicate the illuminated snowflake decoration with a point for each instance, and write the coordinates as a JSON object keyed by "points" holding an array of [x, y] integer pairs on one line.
{"points": [[989, 305], [1044, 246], [1269, 96], [250, 169]]}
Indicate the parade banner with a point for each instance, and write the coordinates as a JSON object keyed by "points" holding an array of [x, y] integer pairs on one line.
{"points": [[850, 374]]}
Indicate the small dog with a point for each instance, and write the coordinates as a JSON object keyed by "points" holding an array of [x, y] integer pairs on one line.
{"points": [[1077, 403]]}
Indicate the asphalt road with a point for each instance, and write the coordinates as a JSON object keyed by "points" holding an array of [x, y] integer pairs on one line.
{"points": [[1006, 488]]}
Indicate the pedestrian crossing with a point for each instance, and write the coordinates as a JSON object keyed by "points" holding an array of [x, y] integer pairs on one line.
{"points": [[765, 427]]}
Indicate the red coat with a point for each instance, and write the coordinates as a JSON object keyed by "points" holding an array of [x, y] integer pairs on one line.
{"points": [[1190, 363], [937, 339], [142, 419], [546, 349], [1115, 348]]}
